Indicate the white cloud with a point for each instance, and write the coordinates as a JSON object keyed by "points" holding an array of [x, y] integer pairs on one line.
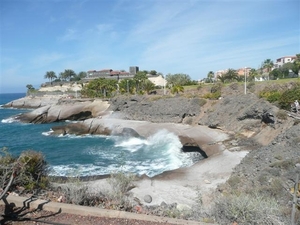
{"points": [[103, 27], [69, 35], [46, 59]]}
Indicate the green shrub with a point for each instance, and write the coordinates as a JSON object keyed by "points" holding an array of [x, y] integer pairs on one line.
{"points": [[288, 97], [75, 191], [251, 85], [121, 182], [274, 188], [5, 157], [217, 87], [199, 87], [117, 197], [246, 209], [34, 170], [271, 96], [6, 165], [212, 96], [177, 213]]}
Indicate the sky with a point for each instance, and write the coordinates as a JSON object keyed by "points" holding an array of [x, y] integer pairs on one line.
{"points": [[170, 36]]}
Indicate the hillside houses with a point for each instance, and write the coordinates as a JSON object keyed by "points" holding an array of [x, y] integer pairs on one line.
{"points": [[265, 71], [281, 61], [110, 73], [158, 80]]}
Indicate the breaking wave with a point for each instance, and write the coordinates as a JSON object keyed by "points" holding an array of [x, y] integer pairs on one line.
{"points": [[154, 155], [10, 120]]}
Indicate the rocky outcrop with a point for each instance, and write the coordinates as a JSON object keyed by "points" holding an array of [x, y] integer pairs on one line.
{"points": [[161, 110], [246, 115], [33, 102], [229, 111], [66, 110]]}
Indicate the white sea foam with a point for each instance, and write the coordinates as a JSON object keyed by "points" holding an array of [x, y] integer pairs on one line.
{"points": [[9, 120], [77, 170], [71, 121], [132, 144], [160, 152], [48, 132]]}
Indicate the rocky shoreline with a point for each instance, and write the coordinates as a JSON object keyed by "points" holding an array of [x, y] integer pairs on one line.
{"points": [[225, 130]]}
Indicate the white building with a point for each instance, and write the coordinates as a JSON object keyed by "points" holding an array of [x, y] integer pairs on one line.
{"points": [[286, 59], [158, 80]]}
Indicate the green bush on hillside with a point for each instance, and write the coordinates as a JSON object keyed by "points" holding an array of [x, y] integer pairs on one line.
{"points": [[217, 87], [213, 96], [288, 97], [270, 95]]}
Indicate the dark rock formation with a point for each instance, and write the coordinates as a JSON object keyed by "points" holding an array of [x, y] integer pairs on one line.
{"points": [[268, 118], [231, 111], [162, 110]]}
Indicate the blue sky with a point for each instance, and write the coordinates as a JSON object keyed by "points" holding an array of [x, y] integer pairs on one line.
{"points": [[169, 36]]}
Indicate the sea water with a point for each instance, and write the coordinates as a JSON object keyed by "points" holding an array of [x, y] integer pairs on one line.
{"points": [[90, 155]]}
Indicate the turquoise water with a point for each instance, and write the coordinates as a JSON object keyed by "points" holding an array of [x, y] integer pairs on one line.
{"points": [[90, 155]]}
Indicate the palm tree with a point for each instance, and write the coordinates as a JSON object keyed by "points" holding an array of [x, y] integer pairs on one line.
{"points": [[50, 75], [108, 86], [229, 76], [210, 76], [296, 68], [268, 64], [139, 79], [148, 86], [68, 74], [222, 78], [252, 74], [176, 89]]}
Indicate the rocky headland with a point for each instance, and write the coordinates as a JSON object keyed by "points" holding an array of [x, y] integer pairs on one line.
{"points": [[243, 137]]}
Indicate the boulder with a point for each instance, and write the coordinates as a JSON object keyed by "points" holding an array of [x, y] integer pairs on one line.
{"points": [[148, 198], [36, 116], [65, 110]]}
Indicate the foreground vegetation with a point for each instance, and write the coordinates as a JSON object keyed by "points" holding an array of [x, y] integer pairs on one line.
{"points": [[30, 176]]}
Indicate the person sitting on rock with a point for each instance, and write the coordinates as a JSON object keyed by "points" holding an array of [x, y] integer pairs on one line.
{"points": [[296, 106]]}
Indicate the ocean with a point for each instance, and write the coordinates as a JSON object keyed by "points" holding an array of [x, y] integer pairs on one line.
{"points": [[90, 155]]}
